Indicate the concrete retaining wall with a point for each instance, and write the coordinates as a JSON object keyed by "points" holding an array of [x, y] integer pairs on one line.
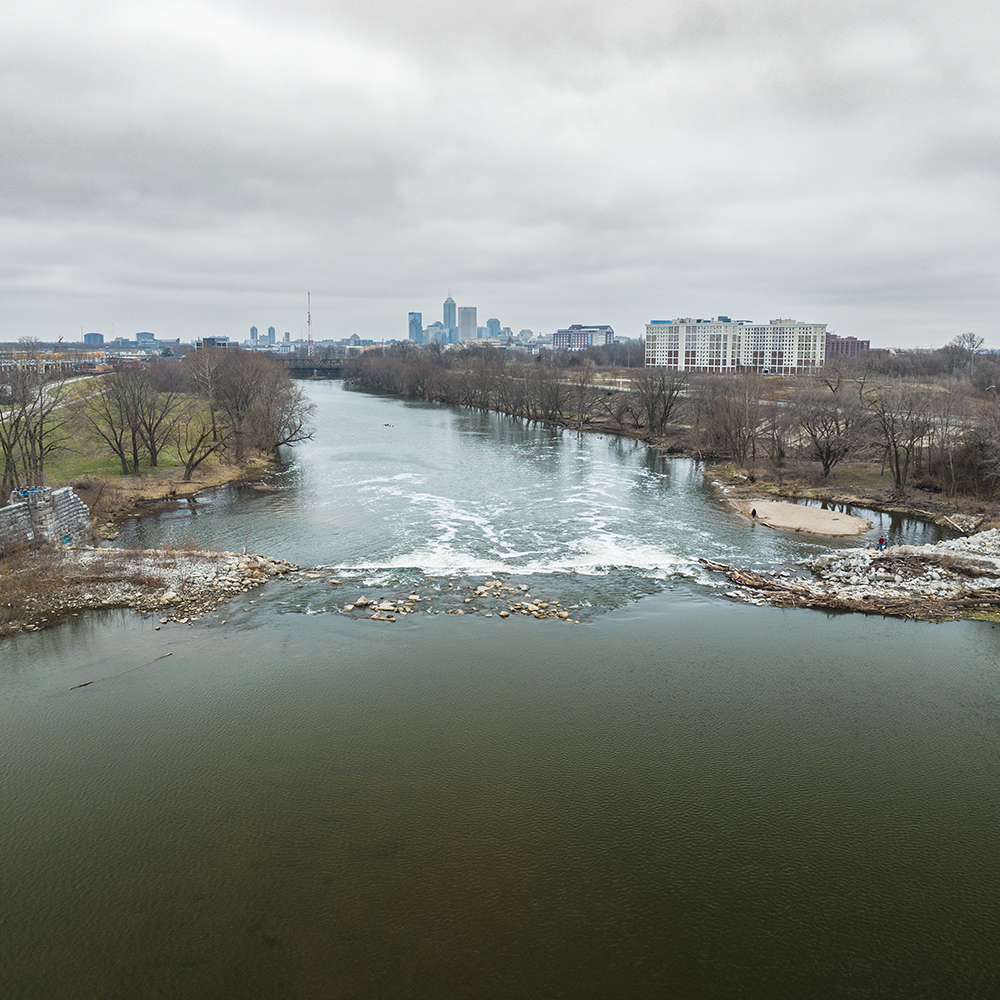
{"points": [[15, 526], [44, 516]]}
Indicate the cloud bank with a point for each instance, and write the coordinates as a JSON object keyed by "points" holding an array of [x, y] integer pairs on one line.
{"points": [[192, 168]]}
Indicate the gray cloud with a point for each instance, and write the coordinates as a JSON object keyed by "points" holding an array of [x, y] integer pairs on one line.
{"points": [[193, 168]]}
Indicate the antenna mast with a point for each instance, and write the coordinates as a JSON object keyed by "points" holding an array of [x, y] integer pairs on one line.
{"points": [[309, 324]]}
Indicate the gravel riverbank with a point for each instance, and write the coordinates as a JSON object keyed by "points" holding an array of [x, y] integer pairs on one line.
{"points": [[44, 587], [959, 578]]}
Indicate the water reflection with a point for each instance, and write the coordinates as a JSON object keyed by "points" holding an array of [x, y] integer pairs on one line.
{"points": [[682, 796]]}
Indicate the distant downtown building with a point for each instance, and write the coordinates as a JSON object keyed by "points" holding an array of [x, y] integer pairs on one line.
{"points": [[578, 337], [846, 347], [417, 327], [466, 322], [780, 347], [450, 322], [493, 329], [94, 339]]}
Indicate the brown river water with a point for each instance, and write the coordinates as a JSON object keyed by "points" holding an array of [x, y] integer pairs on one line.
{"points": [[681, 795]]}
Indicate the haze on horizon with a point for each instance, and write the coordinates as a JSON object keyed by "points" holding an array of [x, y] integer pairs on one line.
{"points": [[191, 168]]}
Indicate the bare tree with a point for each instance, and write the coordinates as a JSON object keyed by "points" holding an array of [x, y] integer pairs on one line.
{"points": [[196, 439], [833, 423], [157, 411], [657, 391], [256, 401], [735, 415], [281, 413], [902, 415], [238, 377], [582, 380], [968, 346], [113, 411], [32, 420]]}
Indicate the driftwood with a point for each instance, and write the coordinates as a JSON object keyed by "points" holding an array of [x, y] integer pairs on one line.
{"points": [[717, 566], [787, 595], [747, 578]]}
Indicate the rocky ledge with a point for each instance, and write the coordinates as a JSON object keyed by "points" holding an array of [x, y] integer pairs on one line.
{"points": [[181, 585], [959, 578]]}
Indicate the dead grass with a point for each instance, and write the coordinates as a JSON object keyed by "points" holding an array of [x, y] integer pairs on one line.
{"points": [[25, 577]]}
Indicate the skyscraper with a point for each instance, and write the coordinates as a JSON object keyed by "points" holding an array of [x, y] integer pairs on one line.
{"points": [[417, 328], [449, 314], [493, 329], [253, 335], [466, 323], [270, 334]]}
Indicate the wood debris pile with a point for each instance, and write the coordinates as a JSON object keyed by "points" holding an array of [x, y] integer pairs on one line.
{"points": [[941, 582]]}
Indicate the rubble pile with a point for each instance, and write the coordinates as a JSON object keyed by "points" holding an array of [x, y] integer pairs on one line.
{"points": [[492, 597], [953, 579]]}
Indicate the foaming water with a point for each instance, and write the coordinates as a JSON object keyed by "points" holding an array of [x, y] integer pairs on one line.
{"points": [[396, 492], [680, 796]]}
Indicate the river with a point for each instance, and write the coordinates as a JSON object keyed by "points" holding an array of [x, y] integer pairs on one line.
{"points": [[681, 794]]}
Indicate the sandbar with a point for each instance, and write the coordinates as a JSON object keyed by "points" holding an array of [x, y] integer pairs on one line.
{"points": [[778, 514]]}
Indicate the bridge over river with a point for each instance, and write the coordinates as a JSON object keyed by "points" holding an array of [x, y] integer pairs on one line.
{"points": [[301, 366]]}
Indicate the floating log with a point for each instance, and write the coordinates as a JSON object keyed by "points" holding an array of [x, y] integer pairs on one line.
{"points": [[711, 564]]}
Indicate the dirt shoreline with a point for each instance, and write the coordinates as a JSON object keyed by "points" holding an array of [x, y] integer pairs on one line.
{"points": [[967, 515], [114, 501], [797, 481]]}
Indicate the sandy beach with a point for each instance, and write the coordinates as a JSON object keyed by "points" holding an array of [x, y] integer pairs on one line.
{"points": [[777, 514]]}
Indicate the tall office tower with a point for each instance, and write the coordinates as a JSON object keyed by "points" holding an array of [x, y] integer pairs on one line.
{"points": [[493, 329], [253, 335], [466, 323], [288, 337], [449, 314], [270, 334], [417, 327]]}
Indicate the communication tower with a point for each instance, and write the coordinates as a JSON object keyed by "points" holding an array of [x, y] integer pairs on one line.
{"points": [[309, 324]]}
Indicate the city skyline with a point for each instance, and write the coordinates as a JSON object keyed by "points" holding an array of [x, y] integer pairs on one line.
{"points": [[833, 162]]}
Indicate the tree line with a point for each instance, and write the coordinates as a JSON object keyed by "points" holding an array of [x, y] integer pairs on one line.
{"points": [[938, 430], [232, 404]]}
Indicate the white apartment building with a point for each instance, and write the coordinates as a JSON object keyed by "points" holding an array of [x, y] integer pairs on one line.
{"points": [[780, 347]]}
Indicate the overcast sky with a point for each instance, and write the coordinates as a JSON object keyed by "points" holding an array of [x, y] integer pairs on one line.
{"points": [[195, 168]]}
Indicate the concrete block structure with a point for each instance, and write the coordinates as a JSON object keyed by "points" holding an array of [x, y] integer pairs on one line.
{"points": [[44, 517]]}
